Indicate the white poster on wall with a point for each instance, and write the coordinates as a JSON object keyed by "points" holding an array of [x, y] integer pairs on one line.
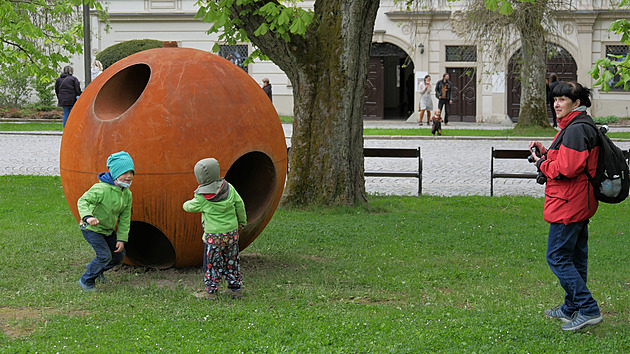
{"points": [[420, 79]]}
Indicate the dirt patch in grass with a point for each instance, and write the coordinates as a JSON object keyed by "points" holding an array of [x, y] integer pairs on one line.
{"points": [[18, 322]]}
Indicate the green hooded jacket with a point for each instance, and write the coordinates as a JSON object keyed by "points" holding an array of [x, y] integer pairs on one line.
{"points": [[224, 213], [110, 205]]}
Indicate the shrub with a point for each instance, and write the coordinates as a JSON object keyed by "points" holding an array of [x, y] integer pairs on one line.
{"points": [[606, 120], [116, 52], [14, 89], [45, 94]]}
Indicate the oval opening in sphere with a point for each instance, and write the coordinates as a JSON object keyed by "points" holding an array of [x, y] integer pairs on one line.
{"points": [[121, 91], [149, 247], [254, 177]]}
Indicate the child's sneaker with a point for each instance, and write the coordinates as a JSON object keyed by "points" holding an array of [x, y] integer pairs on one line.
{"points": [[556, 312], [580, 321], [86, 287]]}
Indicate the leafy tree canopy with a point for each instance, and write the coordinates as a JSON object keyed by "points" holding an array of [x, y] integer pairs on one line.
{"points": [[605, 69], [38, 36], [281, 20]]}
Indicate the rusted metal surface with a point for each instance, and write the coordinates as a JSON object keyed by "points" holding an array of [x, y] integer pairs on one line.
{"points": [[169, 108]]}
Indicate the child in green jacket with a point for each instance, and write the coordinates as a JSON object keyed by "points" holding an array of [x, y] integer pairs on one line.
{"points": [[222, 212], [106, 203]]}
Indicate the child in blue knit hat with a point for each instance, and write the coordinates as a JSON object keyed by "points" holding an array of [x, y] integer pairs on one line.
{"points": [[105, 204]]}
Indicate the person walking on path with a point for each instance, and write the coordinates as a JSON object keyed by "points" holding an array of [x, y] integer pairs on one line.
{"points": [[444, 95], [267, 88], [426, 103], [68, 89], [570, 203]]}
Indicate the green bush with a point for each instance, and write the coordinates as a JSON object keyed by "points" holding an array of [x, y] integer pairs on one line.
{"points": [[14, 89], [119, 51], [45, 94], [606, 120]]}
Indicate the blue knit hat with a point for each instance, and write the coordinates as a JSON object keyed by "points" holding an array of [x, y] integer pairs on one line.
{"points": [[119, 163]]}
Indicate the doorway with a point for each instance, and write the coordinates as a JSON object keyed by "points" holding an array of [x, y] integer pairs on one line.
{"points": [[464, 92], [389, 91]]}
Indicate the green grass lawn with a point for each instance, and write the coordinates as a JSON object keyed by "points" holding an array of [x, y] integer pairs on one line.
{"points": [[407, 274], [31, 126]]}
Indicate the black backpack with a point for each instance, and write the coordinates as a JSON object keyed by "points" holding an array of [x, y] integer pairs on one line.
{"points": [[611, 182]]}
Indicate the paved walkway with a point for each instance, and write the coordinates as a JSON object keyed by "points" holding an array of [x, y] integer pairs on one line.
{"points": [[451, 166]]}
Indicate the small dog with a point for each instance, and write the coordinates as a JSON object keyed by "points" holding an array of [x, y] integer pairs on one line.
{"points": [[437, 123]]}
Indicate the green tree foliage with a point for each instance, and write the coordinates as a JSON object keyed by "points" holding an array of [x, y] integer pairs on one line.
{"points": [[324, 53], [38, 36], [606, 68], [114, 53]]}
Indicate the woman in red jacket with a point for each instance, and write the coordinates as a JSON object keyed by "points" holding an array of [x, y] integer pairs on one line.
{"points": [[570, 203]]}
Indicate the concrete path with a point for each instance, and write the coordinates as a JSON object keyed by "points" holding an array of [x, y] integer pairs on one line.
{"points": [[452, 166]]}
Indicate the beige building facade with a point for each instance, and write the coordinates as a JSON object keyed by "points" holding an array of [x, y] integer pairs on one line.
{"points": [[407, 45]]}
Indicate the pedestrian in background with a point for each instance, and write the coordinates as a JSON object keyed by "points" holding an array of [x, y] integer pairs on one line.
{"points": [[267, 88], [426, 103], [68, 89], [443, 92], [97, 69]]}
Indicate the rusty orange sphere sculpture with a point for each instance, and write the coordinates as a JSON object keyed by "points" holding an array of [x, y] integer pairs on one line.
{"points": [[169, 108]]}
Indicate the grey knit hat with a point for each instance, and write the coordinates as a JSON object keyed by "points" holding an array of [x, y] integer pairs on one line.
{"points": [[208, 174]]}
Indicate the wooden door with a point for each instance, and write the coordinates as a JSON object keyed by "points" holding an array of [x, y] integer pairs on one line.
{"points": [[373, 107], [464, 107]]}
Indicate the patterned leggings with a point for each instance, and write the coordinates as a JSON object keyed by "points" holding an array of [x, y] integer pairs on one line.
{"points": [[222, 261]]}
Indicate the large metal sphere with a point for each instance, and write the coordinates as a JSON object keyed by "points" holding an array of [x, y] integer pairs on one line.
{"points": [[169, 108]]}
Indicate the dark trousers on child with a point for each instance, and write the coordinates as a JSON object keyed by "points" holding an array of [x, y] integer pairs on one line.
{"points": [[221, 261], [106, 258]]}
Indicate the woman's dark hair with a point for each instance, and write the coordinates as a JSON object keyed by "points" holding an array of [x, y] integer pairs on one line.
{"points": [[553, 78], [573, 91], [427, 75]]}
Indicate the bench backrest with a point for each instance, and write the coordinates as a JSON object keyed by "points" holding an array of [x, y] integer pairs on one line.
{"points": [[391, 152]]}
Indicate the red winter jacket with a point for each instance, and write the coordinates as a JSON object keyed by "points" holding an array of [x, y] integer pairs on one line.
{"points": [[569, 195]]}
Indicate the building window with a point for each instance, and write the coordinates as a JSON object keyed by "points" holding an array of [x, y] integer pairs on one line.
{"points": [[235, 53], [461, 53], [622, 52], [164, 4]]}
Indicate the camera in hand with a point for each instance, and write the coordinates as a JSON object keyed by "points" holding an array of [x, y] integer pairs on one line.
{"points": [[540, 178], [530, 158]]}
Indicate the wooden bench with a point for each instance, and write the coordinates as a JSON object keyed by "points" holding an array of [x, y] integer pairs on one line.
{"points": [[508, 154], [395, 153]]}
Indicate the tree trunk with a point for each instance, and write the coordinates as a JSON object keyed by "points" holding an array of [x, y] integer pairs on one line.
{"points": [[326, 162], [533, 111], [328, 70]]}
